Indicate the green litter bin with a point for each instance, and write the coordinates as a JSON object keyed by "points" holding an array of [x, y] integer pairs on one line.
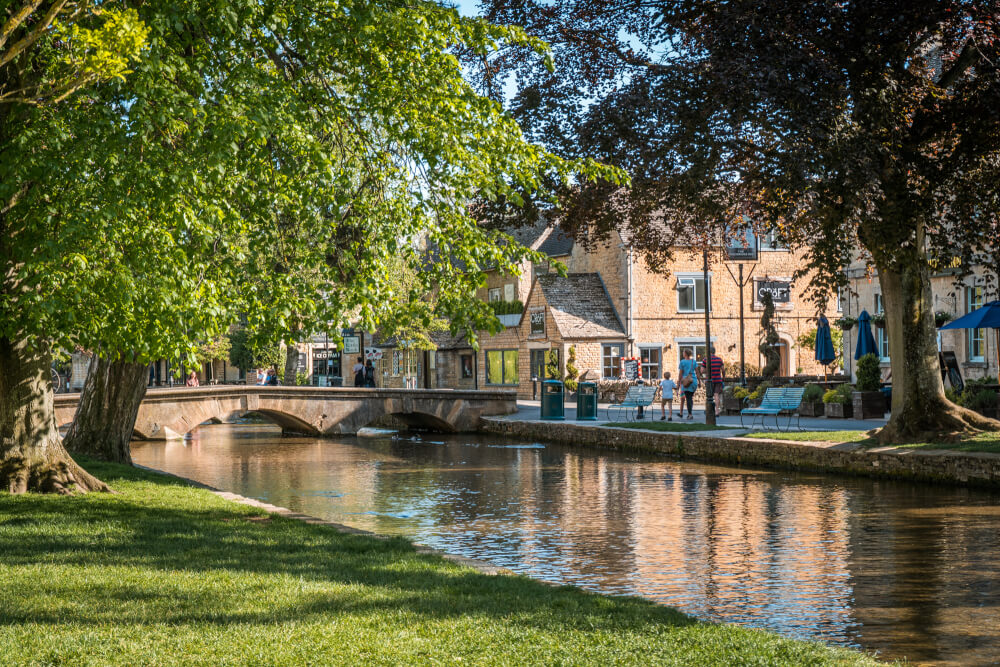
{"points": [[553, 400], [586, 401]]}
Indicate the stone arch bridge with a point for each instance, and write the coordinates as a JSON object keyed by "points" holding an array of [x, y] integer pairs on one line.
{"points": [[169, 413]]}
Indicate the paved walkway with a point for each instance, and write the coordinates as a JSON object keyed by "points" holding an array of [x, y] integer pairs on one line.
{"points": [[531, 411]]}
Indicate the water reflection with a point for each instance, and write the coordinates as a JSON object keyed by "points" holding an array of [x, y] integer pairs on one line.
{"points": [[907, 570]]}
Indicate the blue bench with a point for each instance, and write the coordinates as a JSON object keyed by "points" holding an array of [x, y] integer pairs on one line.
{"points": [[638, 396], [777, 401]]}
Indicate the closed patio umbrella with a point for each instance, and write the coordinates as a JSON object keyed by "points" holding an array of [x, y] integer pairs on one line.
{"points": [[825, 354], [987, 317], [866, 341]]}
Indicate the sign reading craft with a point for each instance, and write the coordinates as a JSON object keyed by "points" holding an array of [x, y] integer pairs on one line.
{"points": [[780, 290]]}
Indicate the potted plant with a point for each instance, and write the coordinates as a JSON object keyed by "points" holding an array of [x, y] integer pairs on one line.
{"points": [[845, 323], [757, 395], [812, 401], [868, 400], [732, 399], [878, 319], [837, 402], [942, 317]]}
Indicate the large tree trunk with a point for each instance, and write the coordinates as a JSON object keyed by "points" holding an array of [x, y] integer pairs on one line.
{"points": [[32, 457], [291, 366], [105, 418], [920, 410]]}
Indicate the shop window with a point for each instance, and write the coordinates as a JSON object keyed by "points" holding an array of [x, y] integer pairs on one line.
{"points": [[975, 339], [651, 358], [691, 294], [501, 367], [611, 359]]}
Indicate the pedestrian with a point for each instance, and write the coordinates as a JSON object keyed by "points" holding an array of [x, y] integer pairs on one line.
{"points": [[689, 383], [264, 376], [272, 377], [192, 379], [714, 370], [369, 374], [359, 372], [667, 387]]}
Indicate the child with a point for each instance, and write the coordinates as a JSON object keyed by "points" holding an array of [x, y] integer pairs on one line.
{"points": [[667, 387]]}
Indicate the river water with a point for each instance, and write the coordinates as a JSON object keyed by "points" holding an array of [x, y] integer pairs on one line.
{"points": [[907, 570]]}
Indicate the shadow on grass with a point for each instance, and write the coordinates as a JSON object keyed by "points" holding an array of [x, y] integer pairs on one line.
{"points": [[192, 557]]}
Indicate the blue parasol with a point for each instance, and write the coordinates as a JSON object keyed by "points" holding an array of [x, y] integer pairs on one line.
{"points": [[825, 354], [987, 317], [866, 341]]}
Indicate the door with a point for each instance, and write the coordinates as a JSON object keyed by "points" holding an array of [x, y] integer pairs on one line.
{"points": [[537, 364]]}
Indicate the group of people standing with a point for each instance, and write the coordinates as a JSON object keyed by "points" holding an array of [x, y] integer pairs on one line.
{"points": [[364, 373], [690, 372]]}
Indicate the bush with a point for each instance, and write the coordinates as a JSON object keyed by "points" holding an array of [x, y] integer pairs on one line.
{"points": [[953, 395], [301, 379], [758, 393], [979, 399], [812, 394], [842, 394], [731, 369], [869, 373], [740, 393], [514, 307]]}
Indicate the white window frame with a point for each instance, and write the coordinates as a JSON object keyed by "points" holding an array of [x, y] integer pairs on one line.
{"points": [[659, 365], [766, 242], [494, 294], [508, 292], [974, 338], [690, 280], [881, 335], [608, 364]]}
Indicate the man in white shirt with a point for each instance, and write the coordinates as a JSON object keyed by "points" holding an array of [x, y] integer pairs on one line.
{"points": [[667, 387]]}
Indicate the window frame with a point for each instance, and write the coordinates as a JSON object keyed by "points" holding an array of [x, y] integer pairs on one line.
{"points": [[687, 281], [881, 335], [658, 365], [607, 360], [494, 292], [766, 243], [504, 353], [974, 338]]}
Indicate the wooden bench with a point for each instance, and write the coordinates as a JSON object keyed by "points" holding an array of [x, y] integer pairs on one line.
{"points": [[777, 401], [638, 396]]}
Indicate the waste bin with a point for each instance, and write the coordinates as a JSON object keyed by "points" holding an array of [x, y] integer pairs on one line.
{"points": [[336, 381], [553, 400], [586, 401]]}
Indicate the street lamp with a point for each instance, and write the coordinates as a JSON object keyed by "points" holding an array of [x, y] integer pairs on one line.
{"points": [[709, 389]]}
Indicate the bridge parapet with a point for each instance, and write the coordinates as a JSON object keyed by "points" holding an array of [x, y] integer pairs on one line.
{"points": [[166, 413]]}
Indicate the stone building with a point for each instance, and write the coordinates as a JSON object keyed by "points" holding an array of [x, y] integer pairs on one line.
{"points": [[613, 306], [975, 350]]}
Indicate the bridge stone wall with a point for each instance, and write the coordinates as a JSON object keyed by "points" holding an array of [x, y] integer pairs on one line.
{"points": [[167, 413]]}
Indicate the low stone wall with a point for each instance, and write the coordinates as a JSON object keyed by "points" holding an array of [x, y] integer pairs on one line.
{"points": [[967, 469]]}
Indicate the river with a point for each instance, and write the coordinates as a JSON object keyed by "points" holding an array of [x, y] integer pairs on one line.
{"points": [[906, 570]]}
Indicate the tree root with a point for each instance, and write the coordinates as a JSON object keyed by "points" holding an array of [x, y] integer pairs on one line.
{"points": [[946, 423], [62, 476]]}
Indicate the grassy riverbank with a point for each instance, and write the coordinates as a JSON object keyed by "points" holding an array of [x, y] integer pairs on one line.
{"points": [[163, 573], [982, 442]]}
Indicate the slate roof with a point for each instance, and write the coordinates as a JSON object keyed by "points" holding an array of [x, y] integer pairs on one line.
{"points": [[580, 305], [556, 244], [445, 341]]}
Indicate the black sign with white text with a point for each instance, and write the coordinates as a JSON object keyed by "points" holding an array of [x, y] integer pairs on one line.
{"points": [[780, 290]]}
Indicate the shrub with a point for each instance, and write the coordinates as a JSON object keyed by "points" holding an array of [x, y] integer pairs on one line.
{"points": [[758, 393], [841, 394], [301, 379], [514, 307], [953, 395], [979, 399], [869, 373], [571, 385], [740, 393], [813, 393], [731, 369], [572, 372]]}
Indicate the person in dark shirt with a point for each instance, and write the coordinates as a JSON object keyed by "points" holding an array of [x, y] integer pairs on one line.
{"points": [[714, 371]]}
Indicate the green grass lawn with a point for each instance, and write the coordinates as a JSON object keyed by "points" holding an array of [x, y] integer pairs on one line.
{"points": [[162, 573], [983, 442], [671, 427]]}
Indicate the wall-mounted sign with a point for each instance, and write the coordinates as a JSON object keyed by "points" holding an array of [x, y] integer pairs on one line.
{"points": [[537, 322], [373, 353], [322, 354], [352, 344], [780, 290]]}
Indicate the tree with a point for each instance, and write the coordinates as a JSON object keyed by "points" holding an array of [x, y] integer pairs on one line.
{"points": [[864, 125], [808, 342], [246, 354], [769, 340]]}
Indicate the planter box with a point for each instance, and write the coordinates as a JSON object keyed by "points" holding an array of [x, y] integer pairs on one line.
{"points": [[838, 410], [814, 409], [868, 404], [732, 406]]}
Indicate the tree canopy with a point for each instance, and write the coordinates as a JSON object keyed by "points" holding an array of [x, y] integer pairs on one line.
{"points": [[869, 126]]}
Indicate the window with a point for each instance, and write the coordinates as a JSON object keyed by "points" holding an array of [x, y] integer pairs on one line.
{"points": [[466, 366], [494, 294], [691, 294], [397, 363], [508, 292], [611, 359], [537, 322], [770, 241], [975, 339], [697, 351], [881, 336], [501, 367], [651, 358], [840, 304]]}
